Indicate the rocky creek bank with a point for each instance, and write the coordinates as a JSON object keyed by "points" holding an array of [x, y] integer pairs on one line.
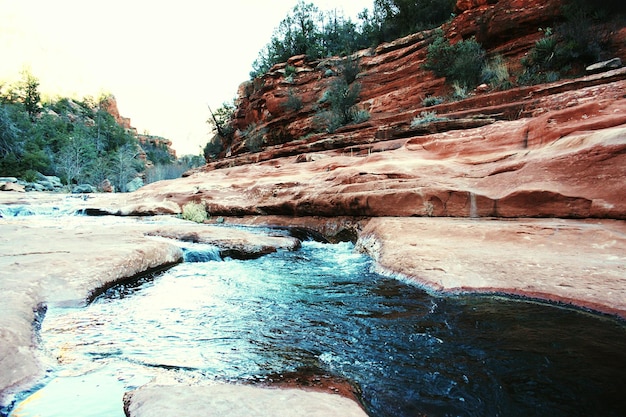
{"points": [[47, 261]]}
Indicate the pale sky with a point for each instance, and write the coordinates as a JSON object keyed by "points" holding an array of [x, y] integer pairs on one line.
{"points": [[163, 60]]}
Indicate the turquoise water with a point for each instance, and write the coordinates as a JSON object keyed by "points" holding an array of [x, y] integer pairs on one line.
{"points": [[322, 308]]}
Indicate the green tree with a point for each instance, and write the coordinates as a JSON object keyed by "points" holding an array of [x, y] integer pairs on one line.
{"points": [[158, 153], [222, 122], [392, 19], [297, 34], [300, 30], [341, 99], [28, 93], [10, 140], [222, 119], [340, 36], [51, 133], [108, 135]]}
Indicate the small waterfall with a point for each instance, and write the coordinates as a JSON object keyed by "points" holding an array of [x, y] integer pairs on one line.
{"points": [[201, 253], [473, 210], [7, 211], [70, 206]]}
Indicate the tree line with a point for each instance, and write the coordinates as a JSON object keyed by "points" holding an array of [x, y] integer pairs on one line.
{"points": [[76, 140]]}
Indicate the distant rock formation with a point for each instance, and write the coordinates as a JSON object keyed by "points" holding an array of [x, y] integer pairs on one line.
{"points": [[109, 104]]}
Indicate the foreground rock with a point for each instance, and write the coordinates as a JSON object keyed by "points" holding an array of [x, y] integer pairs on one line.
{"points": [[67, 261], [236, 401]]}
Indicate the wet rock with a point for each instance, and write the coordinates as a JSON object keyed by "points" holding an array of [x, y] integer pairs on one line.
{"points": [[134, 185], [236, 400], [83, 189], [49, 182]]}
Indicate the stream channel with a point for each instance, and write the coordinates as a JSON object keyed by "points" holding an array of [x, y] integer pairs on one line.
{"points": [[322, 308]]}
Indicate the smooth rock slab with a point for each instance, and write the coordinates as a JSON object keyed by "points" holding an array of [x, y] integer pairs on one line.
{"points": [[236, 401], [576, 262]]}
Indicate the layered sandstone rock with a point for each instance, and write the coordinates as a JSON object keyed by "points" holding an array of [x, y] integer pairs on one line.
{"points": [[393, 81], [549, 165]]}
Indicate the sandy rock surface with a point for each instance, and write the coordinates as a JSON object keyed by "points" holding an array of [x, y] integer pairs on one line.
{"points": [[236, 401]]}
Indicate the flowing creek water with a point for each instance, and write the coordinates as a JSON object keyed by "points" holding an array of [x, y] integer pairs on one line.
{"points": [[322, 308]]}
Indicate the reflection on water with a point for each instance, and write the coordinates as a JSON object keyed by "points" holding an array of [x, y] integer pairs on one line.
{"points": [[321, 307]]}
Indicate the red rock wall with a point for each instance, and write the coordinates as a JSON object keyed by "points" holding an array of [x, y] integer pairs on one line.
{"points": [[551, 150]]}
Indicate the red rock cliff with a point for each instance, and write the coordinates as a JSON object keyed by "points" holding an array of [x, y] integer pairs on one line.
{"points": [[551, 150]]}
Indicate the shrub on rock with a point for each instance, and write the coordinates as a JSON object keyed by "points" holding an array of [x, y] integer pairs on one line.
{"points": [[195, 212]]}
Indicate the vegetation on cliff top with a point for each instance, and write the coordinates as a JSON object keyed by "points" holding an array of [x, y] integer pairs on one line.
{"points": [[307, 30]]}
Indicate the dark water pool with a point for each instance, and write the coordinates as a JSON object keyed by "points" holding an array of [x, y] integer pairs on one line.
{"points": [[410, 353]]}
